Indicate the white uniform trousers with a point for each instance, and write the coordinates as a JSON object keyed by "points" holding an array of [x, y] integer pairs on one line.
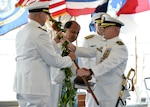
{"points": [[25, 100], [56, 94]]}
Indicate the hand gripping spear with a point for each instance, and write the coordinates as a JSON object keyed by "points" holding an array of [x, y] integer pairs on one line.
{"points": [[87, 84]]}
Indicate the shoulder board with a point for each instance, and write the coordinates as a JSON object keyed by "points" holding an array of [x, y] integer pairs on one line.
{"points": [[120, 43], [89, 36], [43, 29]]}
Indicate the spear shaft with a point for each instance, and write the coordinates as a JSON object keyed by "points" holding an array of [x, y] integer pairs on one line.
{"points": [[87, 84]]}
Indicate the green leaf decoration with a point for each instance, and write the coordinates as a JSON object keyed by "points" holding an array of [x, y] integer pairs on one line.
{"points": [[69, 92]]}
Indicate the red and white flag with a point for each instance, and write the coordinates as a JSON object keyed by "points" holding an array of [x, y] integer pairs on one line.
{"points": [[82, 7], [24, 2], [73, 7], [57, 7]]}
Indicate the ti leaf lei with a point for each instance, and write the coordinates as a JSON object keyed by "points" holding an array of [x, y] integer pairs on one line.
{"points": [[68, 91]]}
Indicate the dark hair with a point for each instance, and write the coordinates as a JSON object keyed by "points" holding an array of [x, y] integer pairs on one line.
{"points": [[68, 24]]}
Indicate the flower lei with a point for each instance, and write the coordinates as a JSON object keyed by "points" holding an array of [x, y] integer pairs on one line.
{"points": [[68, 91]]}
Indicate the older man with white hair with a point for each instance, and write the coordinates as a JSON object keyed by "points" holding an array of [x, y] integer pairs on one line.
{"points": [[36, 53]]}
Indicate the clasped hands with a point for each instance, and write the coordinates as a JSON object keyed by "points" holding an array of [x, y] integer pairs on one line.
{"points": [[83, 75], [83, 72]]}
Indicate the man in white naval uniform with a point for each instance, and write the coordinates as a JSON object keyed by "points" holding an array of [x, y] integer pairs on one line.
{"points": [[111, 60], [92, 42], [35, 55]]}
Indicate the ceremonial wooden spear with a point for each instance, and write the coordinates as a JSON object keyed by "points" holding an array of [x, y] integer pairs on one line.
{"points": [[88, 85]]}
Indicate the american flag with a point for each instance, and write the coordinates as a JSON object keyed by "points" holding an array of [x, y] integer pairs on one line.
{"points": [[57, 7], [73, 7]]}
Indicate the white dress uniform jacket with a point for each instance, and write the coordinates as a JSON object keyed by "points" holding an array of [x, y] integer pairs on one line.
{"points": [[91, 42], [108, 72], [35, 54]]}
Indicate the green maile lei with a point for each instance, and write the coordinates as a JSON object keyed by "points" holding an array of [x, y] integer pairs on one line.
{"points": [[68, 91]]}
